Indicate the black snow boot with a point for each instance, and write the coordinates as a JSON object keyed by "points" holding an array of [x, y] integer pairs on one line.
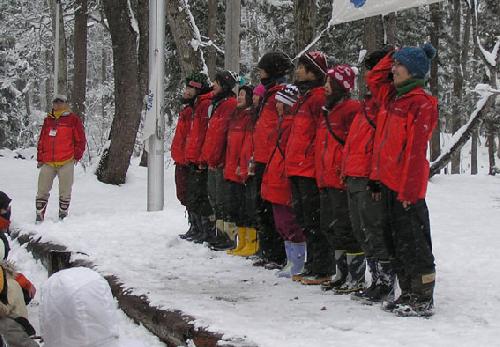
{"points": [[41, 206], [341, 272], [207, 230], [192, 227], [384, 289], [355, 281], [362, 295], [391, 302], [421, 303]]}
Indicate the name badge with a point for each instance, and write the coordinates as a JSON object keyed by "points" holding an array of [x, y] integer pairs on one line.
{"points": [[52, 132]]}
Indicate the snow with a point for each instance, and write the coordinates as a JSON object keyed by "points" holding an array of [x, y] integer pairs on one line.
{"points": [[485, 91], [131, 334], [228, 295], [491, 57]]}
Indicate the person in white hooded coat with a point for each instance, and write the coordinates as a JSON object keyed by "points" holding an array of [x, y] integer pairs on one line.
{"points": [[78, 310]]}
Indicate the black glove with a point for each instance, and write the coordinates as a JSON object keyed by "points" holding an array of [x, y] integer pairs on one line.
{"points": [[374, 186], [374, 57]]}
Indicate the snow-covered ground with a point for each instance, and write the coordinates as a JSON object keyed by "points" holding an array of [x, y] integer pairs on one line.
{"points": [[227, 294], [131, 335]]}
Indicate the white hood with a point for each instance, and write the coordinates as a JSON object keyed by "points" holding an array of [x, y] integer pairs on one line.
{"points": [[78, 310]]}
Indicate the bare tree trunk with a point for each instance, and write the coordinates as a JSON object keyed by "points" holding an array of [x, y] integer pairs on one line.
{"points": [[498, 149], [390, 22], [373, 39], [181, 26], [80, 58], [304, 13], [473, 153], [62, 83], [457, 78], [434, 81], [114, 164], [232, 36], [490, 135], [212, 30]]}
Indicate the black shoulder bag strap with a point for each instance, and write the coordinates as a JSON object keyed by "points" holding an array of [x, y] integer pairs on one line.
{"points": [[370, 121], [329, 127]]}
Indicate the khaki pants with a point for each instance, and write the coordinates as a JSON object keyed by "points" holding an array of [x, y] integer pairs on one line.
{"points": [[46, 177]]}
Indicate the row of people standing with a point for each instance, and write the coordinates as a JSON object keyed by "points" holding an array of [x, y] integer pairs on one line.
{"points": [[308, 178]]}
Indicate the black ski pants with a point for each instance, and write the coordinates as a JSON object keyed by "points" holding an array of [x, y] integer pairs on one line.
{"points": [[216, 189], [271, 244], [369, 220], [196, 192], [306, 205], [411, 236], [335, 221]]}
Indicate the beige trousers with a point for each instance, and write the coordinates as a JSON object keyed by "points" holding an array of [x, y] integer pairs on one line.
{"points": [[46, 177]]}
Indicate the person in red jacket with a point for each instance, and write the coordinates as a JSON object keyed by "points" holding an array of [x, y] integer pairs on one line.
{"points": [[299, 164], [196, 83], [272, 68], [277, 190], [196, 189], [234, 196], [368, 210], [331, 135], [60, 147], [399, 164], [221, 110]]}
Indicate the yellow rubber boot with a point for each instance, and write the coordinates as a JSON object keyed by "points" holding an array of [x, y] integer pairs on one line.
{"points": [[242, 235], [252, 244]]}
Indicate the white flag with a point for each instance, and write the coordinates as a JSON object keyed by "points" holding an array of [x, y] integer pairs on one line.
{"points": [[151, 106], [351, 10]]}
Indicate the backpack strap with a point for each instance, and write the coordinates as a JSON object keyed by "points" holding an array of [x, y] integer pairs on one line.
{"points": [[370, 121], [329, 127]]}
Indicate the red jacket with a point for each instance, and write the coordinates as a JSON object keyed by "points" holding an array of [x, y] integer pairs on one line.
{"points": [[235, 140], [275, 186], [61, 139], [358, 147], [247, 151], [299, 159], [329, 150], [178, 148], [404, 128], [199, 125], [214, 147], [266, 128]]}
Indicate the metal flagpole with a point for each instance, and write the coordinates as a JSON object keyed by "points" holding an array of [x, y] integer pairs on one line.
{"points": [[155, 143], [56, 49]]}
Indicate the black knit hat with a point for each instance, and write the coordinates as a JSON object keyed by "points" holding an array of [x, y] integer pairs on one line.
{"points": [[276, 64], [226, 79], [4, 200], [198, 80]]}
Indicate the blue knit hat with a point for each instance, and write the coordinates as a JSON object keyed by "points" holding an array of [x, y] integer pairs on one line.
{"points": [[416, 59]]}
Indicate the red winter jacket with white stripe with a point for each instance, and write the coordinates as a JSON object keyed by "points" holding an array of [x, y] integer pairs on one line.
{"points": [[266, 128], [329, 147], [61, 139], [199, 125], [178, 148], [358, 147], [238, 127], [275, 186], [404, 128], [214, 147], [306, 112]]}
